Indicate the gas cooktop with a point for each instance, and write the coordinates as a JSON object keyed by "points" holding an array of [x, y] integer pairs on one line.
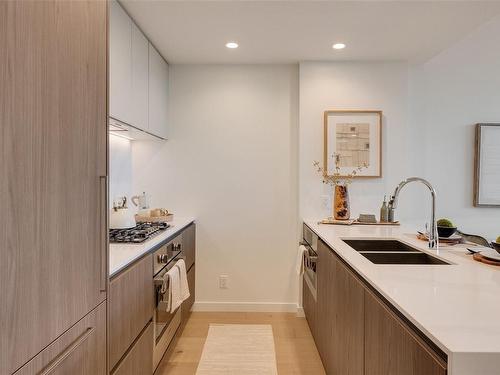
{"points": [[140, 233]]}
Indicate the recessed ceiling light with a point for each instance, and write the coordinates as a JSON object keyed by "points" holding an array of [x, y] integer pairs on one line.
{"points": [[338, 46], [232, 45]]}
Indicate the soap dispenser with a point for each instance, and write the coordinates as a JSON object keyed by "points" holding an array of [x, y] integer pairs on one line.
{"points": [[384, 211]]}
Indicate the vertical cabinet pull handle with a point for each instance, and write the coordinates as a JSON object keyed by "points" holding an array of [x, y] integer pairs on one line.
{"points": [[67, 352], [103, 228]]}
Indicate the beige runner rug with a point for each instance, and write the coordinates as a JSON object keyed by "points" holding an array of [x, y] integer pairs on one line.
{"points": [[242, 349]]}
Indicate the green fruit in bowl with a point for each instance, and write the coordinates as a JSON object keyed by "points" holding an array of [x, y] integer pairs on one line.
{"points": [[445, 223], [498, 239]]}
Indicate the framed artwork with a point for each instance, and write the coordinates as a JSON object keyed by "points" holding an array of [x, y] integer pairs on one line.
{"points": [[487, 166], [353, 139]]}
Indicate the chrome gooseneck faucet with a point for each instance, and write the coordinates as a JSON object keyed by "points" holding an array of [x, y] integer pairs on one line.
{"points": [[433, 237]]}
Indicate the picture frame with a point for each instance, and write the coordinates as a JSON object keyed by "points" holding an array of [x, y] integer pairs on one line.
{"points": [[354, 138], [487, 165]]}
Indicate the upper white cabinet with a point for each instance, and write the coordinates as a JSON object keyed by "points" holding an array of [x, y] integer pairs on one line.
{"points": [[120, 64], [138, 76], [140, 79], [158, 93]]}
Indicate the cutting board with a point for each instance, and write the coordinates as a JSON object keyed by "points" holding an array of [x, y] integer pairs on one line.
{"points": [[482, 259]]}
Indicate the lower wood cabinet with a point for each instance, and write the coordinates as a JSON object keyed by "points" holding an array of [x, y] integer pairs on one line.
{"points": [[357, 332], [339, 318], [309, 305], [189, 245], [139, 358], [131, 305], [79, 351], [187, 304], [391, 348]]}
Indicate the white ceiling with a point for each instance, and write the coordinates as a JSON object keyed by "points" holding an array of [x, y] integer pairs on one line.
{"points": [[291, 31]]}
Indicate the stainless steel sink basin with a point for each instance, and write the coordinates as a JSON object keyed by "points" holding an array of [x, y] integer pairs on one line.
{"points": [[392, 252], [403, 258], [379, 245]]}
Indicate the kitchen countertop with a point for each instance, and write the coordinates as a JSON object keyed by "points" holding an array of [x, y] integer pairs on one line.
{"points": [[457, 306], [122, 255]]}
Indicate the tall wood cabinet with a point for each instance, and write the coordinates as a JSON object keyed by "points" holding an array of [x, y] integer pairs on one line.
{"points": [[53, 176]]}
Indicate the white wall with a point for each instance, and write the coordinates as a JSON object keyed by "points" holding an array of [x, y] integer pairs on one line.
{"points": [[352, 85], [457, 89], [232, 163]]}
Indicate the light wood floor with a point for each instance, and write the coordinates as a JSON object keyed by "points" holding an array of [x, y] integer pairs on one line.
{"points": [[296, 352]]}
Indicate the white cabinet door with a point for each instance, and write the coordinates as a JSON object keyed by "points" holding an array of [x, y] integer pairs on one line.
{"points": [[140, 67], [120, 64], [158, 94]]}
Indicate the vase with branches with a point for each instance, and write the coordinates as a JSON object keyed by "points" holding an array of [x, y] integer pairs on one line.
{"points": [[340, 183]]}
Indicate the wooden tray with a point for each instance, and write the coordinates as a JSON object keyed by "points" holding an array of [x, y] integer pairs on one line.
{"points": [[482, 259], [354, 222], [154, 219]]}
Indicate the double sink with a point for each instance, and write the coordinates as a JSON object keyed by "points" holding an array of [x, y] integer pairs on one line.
{"points": [[392, 252]]}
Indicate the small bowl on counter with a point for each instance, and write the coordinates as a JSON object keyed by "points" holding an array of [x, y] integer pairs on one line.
{"points": [[446, 232], [496, 246]]}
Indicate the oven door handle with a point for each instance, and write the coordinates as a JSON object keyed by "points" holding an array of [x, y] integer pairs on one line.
{"points": [[159, 279]]}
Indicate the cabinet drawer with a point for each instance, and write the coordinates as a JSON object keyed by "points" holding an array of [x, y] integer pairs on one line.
{"points": [[81, 350], [139, 359], [130, 306]]}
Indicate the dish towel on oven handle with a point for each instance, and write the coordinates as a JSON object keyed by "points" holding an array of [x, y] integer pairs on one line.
{"points": [[174, 293], [184, 286], [299, 263]]}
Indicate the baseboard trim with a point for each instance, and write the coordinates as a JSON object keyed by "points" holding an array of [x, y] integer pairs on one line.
{"points": [[245, 307]]}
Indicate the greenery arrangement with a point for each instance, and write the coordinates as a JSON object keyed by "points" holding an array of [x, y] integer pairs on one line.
{"points": [[445, 223], [337, 179]]}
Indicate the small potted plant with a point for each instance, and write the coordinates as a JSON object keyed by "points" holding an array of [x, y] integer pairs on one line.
{"points": [[445, 228], [340, 183], [496, 244]]}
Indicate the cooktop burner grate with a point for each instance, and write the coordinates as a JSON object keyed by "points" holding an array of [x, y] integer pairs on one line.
{"points": [[138, 234]]}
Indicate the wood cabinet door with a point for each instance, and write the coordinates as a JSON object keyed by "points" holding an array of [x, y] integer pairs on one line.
{"points": [[158, 94], [189, 245], [131, 305], [53, 129], [346, 354], [323, 325], [391, 348], [120, 64], [139, 360], [339, 320], [79, 351]]}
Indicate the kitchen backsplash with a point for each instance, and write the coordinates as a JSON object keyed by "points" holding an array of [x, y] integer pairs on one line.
{"points": [[120, 168]]}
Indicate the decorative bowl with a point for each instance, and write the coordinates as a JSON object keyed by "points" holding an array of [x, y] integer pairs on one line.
{"points": [[446, 232], [496, 246]]}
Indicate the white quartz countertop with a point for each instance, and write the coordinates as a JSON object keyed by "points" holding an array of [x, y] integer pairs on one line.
{"points": [[122, 255], [457, 306]]}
